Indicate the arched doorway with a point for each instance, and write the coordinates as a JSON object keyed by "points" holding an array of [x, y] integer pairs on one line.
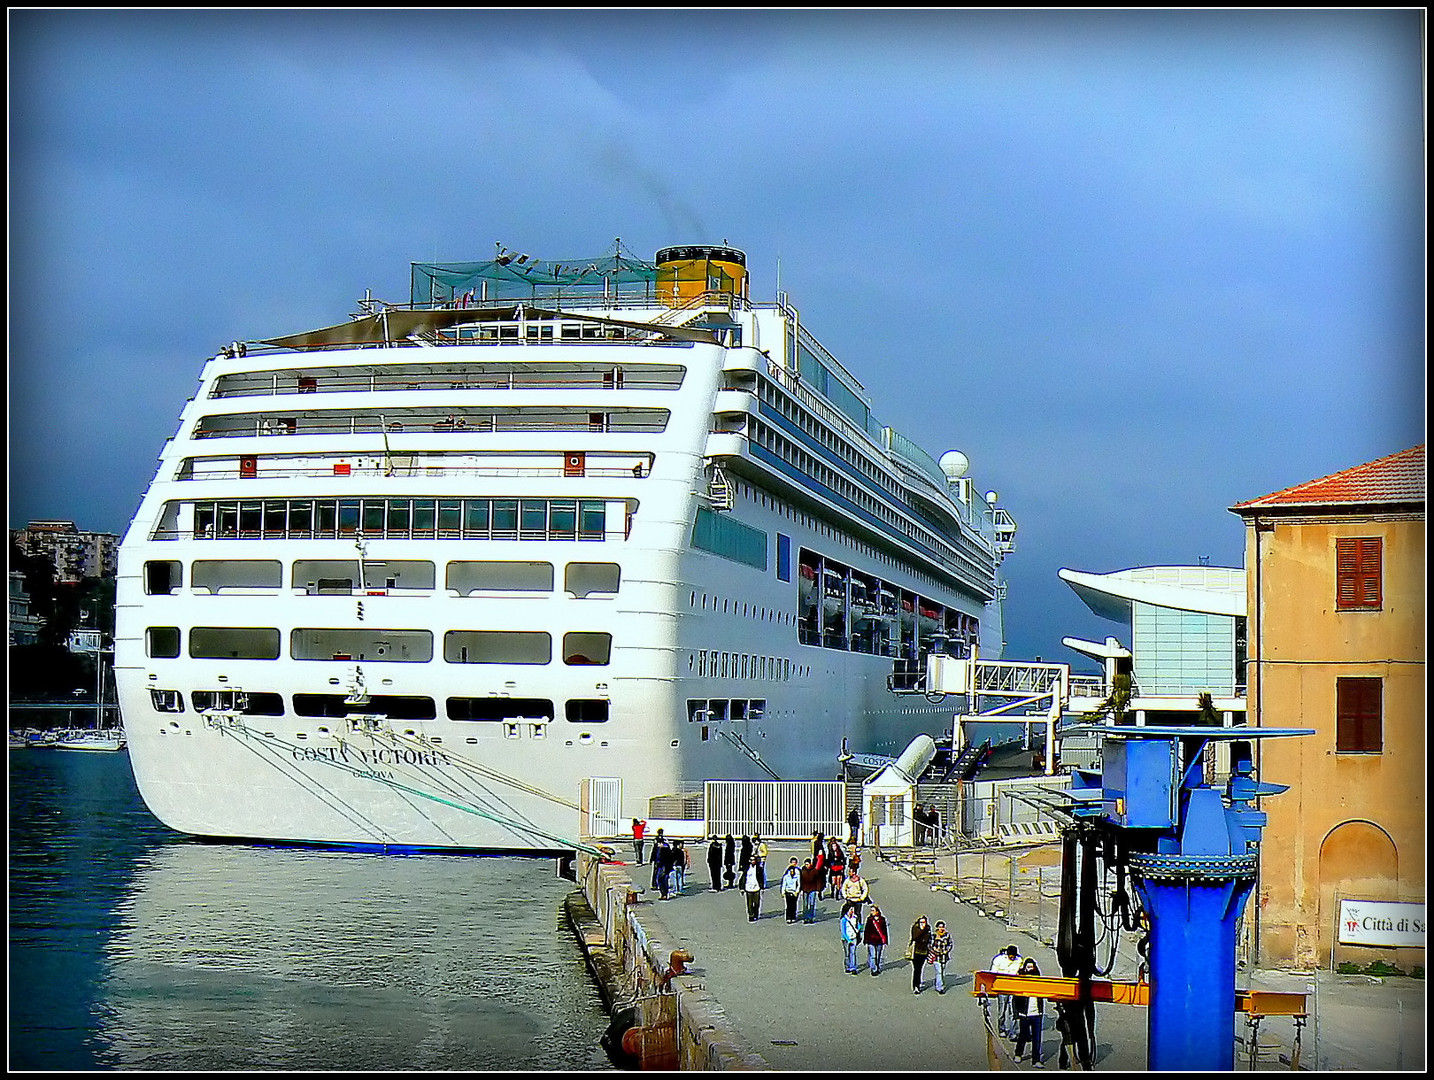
{"points": [[1357, 860]]}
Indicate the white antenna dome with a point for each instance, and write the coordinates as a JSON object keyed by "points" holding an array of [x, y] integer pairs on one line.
{"points": [[954, 464]]}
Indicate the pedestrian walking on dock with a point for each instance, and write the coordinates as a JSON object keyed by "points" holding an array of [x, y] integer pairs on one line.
{"points": [[940, 953], [853, 824], [752, 886], [662, 868], [792, 889], [1029, 1014], [818, 845], [851, 940], [680, 865], [760, 854], [920, 950], [714, 863], [836, 866], [855, 892], [746, 851], [1006, 962], [639, 830], [729, 855], [811, 889], [876, 937], [660, 864]]}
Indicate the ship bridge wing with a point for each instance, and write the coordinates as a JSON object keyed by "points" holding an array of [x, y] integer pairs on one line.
{"points": [[398, 324]]}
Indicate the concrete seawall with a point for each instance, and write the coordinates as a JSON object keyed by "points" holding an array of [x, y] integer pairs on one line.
{"points": [[638, 962]]}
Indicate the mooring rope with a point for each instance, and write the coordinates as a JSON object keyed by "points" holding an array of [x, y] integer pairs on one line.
{"points": [[369, 774]]}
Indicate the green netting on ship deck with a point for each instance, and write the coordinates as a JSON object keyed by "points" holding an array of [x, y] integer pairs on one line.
{"points": [[515, 275]]}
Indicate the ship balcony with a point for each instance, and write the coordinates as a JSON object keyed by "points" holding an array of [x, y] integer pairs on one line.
{"points": [[732, 403], [745, 362]]}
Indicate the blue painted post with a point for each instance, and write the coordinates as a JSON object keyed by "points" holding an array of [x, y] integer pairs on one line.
{"points": [[1192, 958]]}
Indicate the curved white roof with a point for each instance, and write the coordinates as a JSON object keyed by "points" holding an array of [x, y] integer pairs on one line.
{"points": [[1210, 590]]}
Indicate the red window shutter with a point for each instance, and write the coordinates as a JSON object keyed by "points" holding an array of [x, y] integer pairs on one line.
{"points": [[1370, 559], [1358, 572], [1359, 715]]}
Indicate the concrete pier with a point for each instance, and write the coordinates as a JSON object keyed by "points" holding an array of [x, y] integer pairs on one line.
{"points": [[768, 995]]}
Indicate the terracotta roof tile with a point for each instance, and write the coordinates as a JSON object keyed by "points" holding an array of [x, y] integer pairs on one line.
{"points": [[1398, 478]]}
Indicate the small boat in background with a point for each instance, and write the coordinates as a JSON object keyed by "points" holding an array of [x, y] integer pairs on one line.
{"points": [[102, 739]]}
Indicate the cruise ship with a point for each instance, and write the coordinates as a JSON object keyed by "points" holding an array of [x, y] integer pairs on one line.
{"points": [[545, 542]]}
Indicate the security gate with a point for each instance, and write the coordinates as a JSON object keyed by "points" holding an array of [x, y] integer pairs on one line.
{"points": [[775, 809], [600, 800]]}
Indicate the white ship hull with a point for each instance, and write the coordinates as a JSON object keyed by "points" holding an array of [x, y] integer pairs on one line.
{"points": [[410, 672]]}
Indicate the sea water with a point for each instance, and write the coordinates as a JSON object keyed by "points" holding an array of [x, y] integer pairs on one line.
{"points": [[132, 947]]}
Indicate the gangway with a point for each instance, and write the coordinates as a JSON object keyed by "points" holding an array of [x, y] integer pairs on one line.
{"points": [[970, 760], [1039, 690]]}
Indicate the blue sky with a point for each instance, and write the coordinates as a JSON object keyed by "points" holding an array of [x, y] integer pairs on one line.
{"points": [[1138, 267]]}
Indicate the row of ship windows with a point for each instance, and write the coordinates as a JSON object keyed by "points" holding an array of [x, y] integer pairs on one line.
{"points": [[342, 577], [424, 518], [824, 434], [476, 376], [392, 421], [771, 502], [392, 706], [535, 647], [727, 605], [726, 665], [773, 442]]}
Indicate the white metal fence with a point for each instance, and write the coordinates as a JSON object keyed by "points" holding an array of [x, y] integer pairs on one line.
{"points": [[780, 810]]}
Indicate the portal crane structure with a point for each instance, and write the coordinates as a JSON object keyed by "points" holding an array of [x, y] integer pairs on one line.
{"points": [[1187, 846]]}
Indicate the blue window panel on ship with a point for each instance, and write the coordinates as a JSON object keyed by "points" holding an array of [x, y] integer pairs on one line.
{"points": [[784, 557], [730, 539]]}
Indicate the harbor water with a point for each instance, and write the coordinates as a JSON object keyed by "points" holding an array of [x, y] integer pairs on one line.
{"points": [[132, 947]]}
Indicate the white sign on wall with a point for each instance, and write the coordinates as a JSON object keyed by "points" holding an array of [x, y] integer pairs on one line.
{"points": [[1377, 922]]}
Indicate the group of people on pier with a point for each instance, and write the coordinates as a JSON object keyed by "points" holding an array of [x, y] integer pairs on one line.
{"points": [[834, 872]]}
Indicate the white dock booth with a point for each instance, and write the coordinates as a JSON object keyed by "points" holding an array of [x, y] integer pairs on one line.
{"points": [[889, 796]]}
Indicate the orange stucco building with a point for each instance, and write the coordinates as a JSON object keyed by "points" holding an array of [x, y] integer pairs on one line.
{"points": [[1336, 606]]}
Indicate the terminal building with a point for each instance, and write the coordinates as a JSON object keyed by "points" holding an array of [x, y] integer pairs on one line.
{"points": [[1186, 627]]}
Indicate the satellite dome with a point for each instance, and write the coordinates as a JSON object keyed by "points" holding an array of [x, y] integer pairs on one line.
{"points": [[954, 464]]}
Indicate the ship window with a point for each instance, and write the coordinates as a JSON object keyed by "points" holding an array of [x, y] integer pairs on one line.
{"points": [[563, 519], [234, 643], [365, 643], [784, 557], [505, 519], [373, 516], [499, 709], [276, 518], [497, 647], [739, 711], [398, 511], [393, 706], [580, 648], [170, 701], [468, 577], [262, 703], [162, 577], [583, 579], [587, 711], [534, 519], [218, 575], [204, 520], [325, 577], [348, 516], [326, 517], [592, 520], [162, 641], [391, 574], [423, 516], [475, 516], [450, 516], [251, 518]]}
